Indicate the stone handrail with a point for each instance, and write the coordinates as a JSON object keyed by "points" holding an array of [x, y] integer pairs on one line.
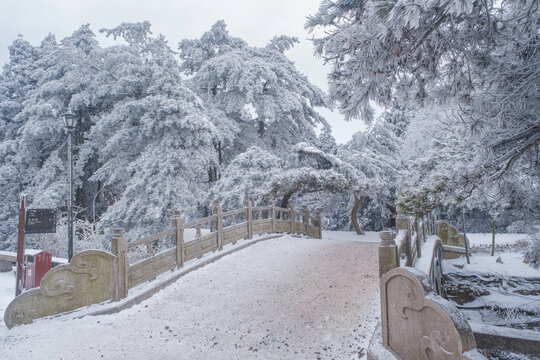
{"points": [[188, 249], [416, 323], [151, 238], [95, 276]]}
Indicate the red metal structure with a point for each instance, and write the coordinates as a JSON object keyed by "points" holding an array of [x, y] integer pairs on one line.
{"points": [[43, 262], [35, 267]]}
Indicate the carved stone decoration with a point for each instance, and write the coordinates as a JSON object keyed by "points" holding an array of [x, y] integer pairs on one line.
{"points": [[416, 323], [90, 278], [449, 234], [402, 222]]}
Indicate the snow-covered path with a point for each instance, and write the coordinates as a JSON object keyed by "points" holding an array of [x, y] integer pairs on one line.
{"points": [[286, 298]]}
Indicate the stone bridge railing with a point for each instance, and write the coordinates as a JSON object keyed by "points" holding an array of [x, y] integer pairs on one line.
{"points": [[416, 322], [95, 276]]}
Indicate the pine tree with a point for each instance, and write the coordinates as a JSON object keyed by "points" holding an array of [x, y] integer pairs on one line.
{"points": [[259, 97]]}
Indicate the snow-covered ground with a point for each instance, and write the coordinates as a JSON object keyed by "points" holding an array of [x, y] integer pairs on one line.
{"points": [[502, 264], [498, 290], [484, 239], [285, 298]]}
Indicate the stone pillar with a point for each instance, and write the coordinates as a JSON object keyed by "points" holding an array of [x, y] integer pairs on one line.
{"points": [[119, 248], [306, 220], [402, 222], [273, 210], [219, 225], [249, 217], [320, 225], [178, 223], [291, 217], [388, 252]]}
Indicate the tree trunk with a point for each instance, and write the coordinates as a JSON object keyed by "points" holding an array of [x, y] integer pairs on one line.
{"points": [[286, 197], [354, 214]]}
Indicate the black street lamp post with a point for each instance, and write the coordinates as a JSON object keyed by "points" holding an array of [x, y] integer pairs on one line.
{"points": [[69, 123]]}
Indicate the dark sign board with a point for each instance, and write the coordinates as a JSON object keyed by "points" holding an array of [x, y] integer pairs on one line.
{"points": [[40, 221]]}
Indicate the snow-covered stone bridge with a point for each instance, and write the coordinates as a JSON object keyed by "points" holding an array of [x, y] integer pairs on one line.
{"points": [[285, 298]]}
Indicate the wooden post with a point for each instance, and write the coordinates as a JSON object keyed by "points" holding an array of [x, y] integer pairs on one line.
{"points": [[306, 220], [249, 217], [178, 223], [291, 215], [273, 210], [219, 212], [19, 284], [119, 248]]}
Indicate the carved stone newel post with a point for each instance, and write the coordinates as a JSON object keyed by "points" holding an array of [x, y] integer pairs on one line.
{"points": [[219, 211], [178, 223], [249, 206], [119, 248], [388, 252], [273, 211]]}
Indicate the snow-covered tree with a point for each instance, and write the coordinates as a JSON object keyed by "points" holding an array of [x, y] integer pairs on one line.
{"points": [[259, 174], [36, 86], [370, 164], [251, 174], [479, 58], [375, 153], [259, 96], [154, 142], [447, 168], [143, 139]]}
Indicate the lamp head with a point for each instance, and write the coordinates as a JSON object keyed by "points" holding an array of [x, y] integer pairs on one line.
{"points": [[70, 121]]}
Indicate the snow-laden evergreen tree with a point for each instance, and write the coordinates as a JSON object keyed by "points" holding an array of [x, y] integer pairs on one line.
{"points": [[477, 60], [154, 142], [375, 153], [262, 176], [260, 98], [360, 179], [37, 85], [143, 140], [370, 161], [251, 174], [444, 170]]}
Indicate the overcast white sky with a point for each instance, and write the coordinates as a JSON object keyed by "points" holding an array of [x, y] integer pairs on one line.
{"points": [[255, 21]]}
